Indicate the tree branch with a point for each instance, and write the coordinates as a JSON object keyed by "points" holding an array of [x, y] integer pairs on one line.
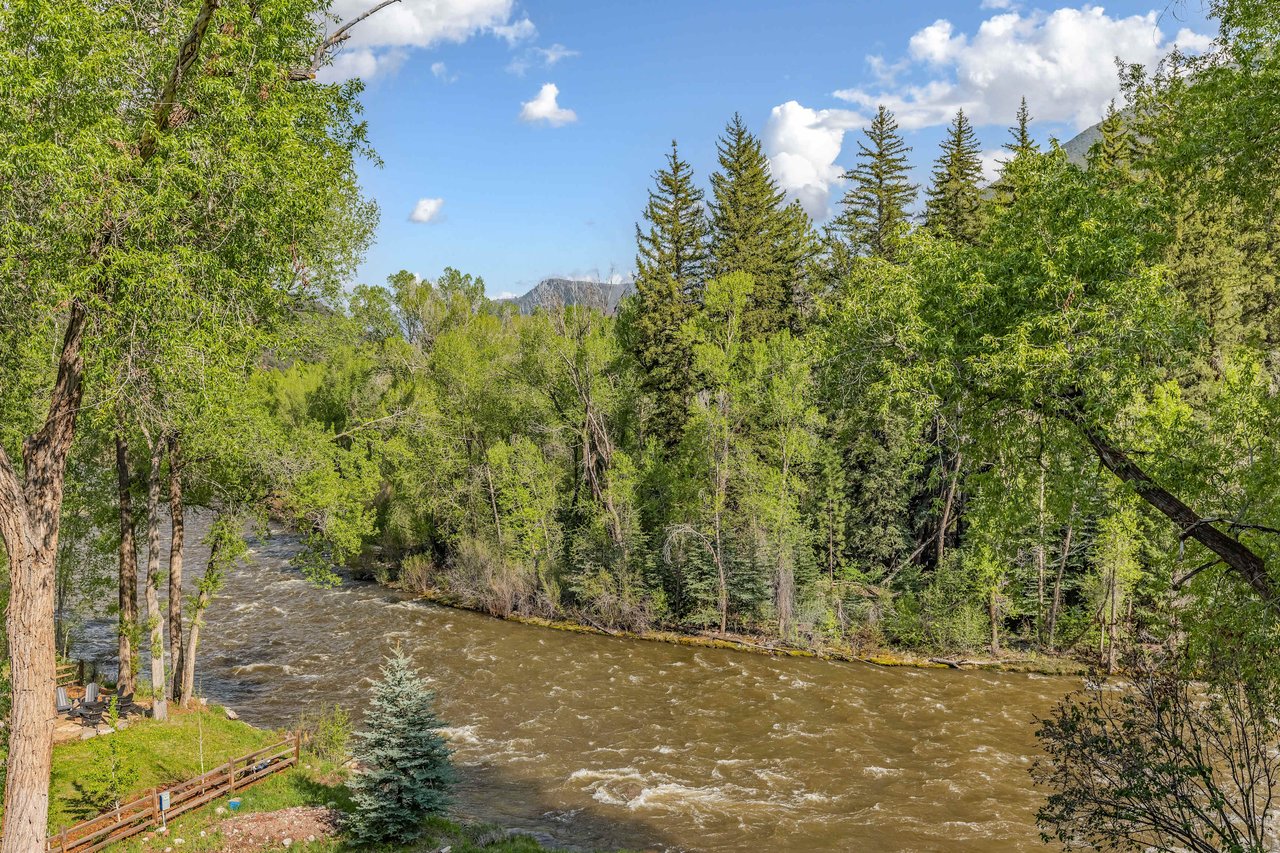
{"points": [[338, 37], [187, 54], [1238, 557]]}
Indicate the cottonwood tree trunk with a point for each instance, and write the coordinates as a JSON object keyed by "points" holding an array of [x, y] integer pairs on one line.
{"points": [[155, 624], [30, 510], [1040, 558], [187, 691], [126, 680], [1056, 607], [176, 545]]}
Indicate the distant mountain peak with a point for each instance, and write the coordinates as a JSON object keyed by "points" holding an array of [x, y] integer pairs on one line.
{"points": [[556, 292]]}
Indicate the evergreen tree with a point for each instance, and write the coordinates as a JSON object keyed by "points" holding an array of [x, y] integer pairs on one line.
{"points": [[676, 243], [405, 773], [749, 228], [1019, 144], [954, 198], [1113, 153], [1022, 143], [670, 259], [874, 210], [798, 249]]}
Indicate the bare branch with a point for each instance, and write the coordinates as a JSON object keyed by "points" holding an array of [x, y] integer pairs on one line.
{"points": [[338, 37]]}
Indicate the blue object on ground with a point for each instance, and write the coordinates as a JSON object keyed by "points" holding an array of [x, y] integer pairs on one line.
{"points": [[234, 804]]}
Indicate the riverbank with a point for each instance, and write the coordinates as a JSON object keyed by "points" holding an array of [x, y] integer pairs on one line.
{"points": [[301, 808], [1037, 663]]}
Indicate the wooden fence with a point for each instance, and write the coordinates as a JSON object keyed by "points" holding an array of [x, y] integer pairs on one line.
{"points": [[70, 672], [133, 818]]}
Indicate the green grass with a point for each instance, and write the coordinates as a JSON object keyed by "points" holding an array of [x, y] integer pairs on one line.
{"points": [[163, 753], [159, 753]]}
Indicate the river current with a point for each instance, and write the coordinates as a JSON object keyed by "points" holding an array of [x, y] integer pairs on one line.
{"points": [[602, 742]]}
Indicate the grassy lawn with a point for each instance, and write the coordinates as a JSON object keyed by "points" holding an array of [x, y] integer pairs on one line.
{"points": [[163, 753], [190, 743]]}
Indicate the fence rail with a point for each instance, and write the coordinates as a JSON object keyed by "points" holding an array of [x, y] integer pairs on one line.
{"points": [[136, 817], [69, 673]]}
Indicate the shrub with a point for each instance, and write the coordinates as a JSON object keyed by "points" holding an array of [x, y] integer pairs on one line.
{"points": [[404, 773], [113, 778], [328, 734], [416, 571], [1166, 762]]}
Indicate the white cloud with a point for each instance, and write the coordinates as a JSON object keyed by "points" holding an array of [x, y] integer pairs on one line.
{"points": [[999, 4], [515, 33], [441, 72], [803, 145], [545, 56], [555, 53], [544, 107], [991, 162], [416, 24], [426, 210], [1063, 62]]}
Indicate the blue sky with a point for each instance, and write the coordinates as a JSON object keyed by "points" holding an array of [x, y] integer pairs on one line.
{"points": [[522, 135]]}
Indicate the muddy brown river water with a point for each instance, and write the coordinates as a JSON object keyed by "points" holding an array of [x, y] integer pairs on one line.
{"points": [[603, 743]]}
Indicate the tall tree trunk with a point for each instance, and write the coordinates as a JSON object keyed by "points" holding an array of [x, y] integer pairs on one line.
{"points": [[945, 521], [187, 690], [155, 622], [30, 513], [126, 681], [1111, 623], [1056, 607], [1041, 561], [993, 612], [175, 568]]}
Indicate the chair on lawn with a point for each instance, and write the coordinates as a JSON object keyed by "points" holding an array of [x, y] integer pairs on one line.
{"points": [[60, 701]]}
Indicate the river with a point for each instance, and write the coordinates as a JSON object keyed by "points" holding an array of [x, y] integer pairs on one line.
{"points": [[602, 742]]}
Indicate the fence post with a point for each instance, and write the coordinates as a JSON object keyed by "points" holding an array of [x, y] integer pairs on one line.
{"points": [[64, 840], [297, 747], [231, 775], [80, 672]]}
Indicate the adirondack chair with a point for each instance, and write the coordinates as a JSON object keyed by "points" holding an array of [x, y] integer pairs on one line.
{"points": [[91, 693], [61, 703]]}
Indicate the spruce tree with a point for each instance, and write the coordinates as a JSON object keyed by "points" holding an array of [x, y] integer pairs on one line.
{"points": [[405, 773], [670, 261], [953, 207], [749, 228], [874, 210], [1020, 143], [1113, 153], [675, 244]]}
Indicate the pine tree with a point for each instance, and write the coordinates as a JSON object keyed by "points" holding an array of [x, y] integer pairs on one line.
{"points": [[953, 208], [749, 228], [874, 210], [798, 248], [405, 773], [1113, 153], [1020, 143], [670, 262], [676, 243]]}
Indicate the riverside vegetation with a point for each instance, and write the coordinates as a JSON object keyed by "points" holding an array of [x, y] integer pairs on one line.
{"points": [[1040, 415]]}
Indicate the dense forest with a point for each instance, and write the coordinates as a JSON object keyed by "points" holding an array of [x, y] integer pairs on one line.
{"points": [[942, 430], [1036, 412]]}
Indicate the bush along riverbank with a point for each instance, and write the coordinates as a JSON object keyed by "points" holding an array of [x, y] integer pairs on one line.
{"points": [[308, 807], [1028, 660]]}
